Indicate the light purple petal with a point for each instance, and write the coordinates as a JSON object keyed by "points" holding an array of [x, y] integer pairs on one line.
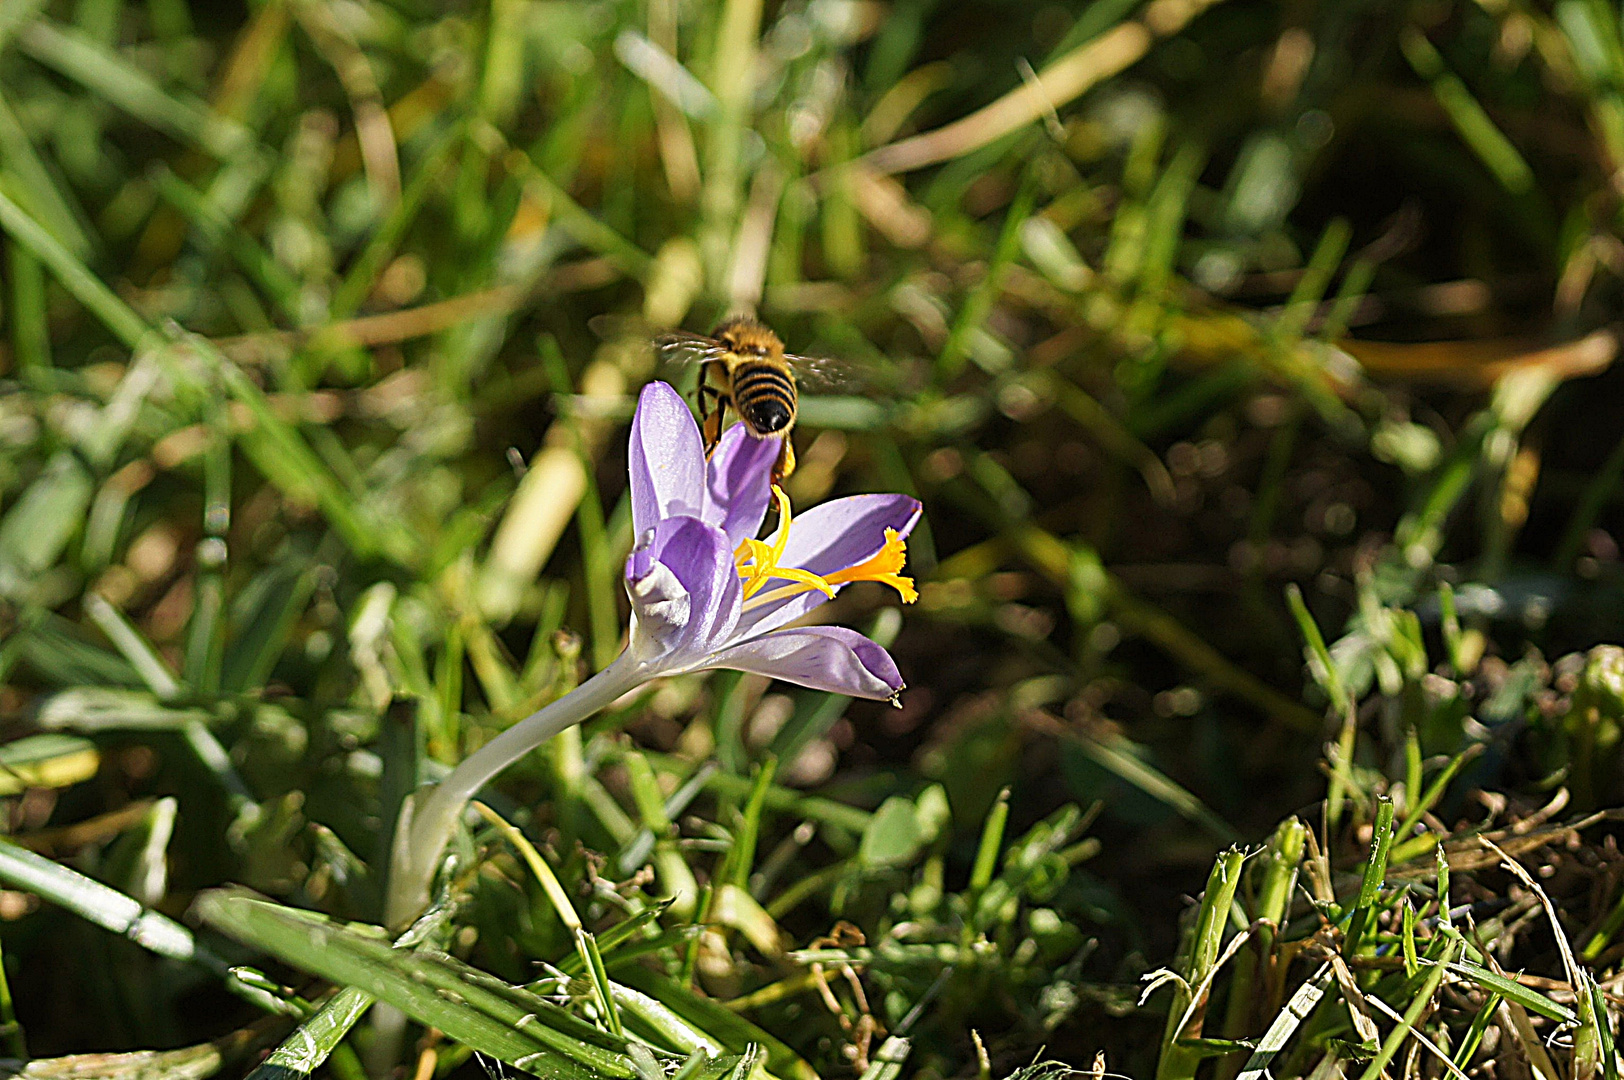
{"points": [[660, 606], [832, 536], [739, 487], [665, 459], [831, 658], [684, 588]]}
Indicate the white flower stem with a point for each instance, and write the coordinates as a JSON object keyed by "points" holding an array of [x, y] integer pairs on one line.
{"points": [[430, 817]]}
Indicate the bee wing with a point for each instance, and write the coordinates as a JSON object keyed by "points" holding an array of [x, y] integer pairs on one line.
{"points": [[822, 372], [681, 347], [617, 326], [672, 346]]}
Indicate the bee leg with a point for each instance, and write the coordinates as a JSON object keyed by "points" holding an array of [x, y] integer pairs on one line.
{"points": [[712, 404], [786, 461], [712, 411]]}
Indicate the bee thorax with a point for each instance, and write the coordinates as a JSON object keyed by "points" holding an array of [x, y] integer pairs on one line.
{"points": [[746, 337]]}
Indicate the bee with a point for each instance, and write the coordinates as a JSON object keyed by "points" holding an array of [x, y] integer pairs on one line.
{"points": [[743, 367]]}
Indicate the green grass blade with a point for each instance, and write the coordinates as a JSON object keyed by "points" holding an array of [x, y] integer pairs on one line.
{"points": [[36, 527], [992, 840], [888, 1061], [1471, 120], [91, 709], [603, 576], [363, 273], [36, 188], [312, 1042], [204, 653], [1604, 1028], [1422, 1001], [30, 332], [636, 851], [662, 1023], [586, 946], [106, 73], [1303, 1002], [741, 856], [1516, 992], [96, 903], [1117, 755], [978, 305], [469, 1012], [219, 231], [1166, 211], [286, 458], [707, 1015], [1179, 1061], [1310, 288], [576, 219], [1325, 672], [1474, 1035], [135, 648], [98, 299], [271, 605], [11, 1031], [1375, 872], [1429, 798]]}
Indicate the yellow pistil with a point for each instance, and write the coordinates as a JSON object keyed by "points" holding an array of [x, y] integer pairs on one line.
{"points": [[757, 562]]}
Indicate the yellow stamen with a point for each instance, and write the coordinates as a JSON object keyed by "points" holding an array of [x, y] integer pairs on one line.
{"points": [[784, 519], [806, 578], [757, 563], [883, 566], [757, 560]]}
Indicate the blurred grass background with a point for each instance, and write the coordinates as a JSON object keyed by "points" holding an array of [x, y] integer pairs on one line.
{"points": [[1217, 336]]}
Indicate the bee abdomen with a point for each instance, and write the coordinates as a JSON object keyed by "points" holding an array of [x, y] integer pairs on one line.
{"points": [[764, 396]]}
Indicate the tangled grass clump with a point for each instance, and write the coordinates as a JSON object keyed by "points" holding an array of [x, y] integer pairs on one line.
{"points": [[1252, 364]]}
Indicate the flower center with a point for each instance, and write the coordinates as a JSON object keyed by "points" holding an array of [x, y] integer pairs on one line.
{"points": [[758, 563]]}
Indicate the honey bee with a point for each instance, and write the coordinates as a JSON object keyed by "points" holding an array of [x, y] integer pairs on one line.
{"points": [[743, 367]]}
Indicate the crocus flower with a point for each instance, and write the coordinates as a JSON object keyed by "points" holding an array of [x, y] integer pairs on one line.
{"points": [[705, 593]]}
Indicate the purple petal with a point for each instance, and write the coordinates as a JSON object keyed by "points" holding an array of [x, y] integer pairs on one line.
{"points": [[832, 536], [740, 483], [831, 658], [684, 588], [665, 459]]}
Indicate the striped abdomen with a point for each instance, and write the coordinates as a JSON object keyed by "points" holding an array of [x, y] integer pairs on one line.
{"points": [[763, 396]]}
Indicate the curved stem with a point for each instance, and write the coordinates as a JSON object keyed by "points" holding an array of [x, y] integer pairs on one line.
{"points": [[427, 827]]}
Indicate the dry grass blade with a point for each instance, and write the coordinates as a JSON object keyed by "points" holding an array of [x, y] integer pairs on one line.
{"points": [[379, 153], [1481, 364], [1055, 86], [1421, 1037], [1569, 963]]}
